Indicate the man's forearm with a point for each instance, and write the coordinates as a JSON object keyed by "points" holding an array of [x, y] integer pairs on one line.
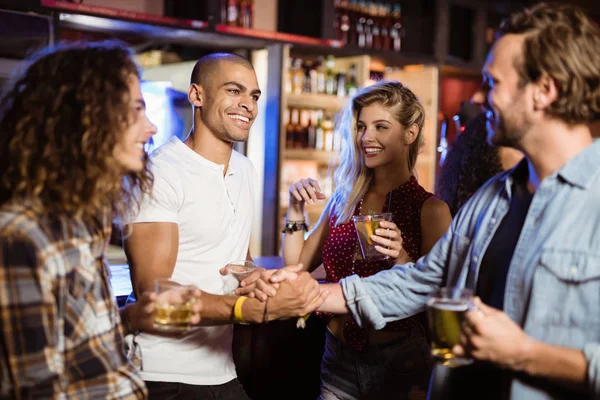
{"points": [[554, 363], [335, 302], [218, 310]]}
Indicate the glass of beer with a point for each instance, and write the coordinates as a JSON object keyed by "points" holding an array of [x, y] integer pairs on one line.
{"points": [[237, 271], [173, 305], [446, 310], [366, 225]]}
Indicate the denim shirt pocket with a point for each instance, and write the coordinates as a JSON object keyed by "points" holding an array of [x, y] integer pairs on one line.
{"points": [[568, 287]]}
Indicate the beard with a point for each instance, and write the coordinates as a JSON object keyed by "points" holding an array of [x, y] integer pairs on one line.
{"points": [[504, 131]]}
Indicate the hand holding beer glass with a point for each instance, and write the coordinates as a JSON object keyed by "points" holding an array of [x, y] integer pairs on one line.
{"points": [[446, 310], [174, 305]]}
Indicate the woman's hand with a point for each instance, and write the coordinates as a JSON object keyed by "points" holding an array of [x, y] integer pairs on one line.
{"points": [[305, 191], [390, 242]]}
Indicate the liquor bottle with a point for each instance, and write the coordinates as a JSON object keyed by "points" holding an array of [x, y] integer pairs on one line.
{"points": [[319, 133], [312, 120], [344, 27], [396, 31], [360, 31], [327, 133], [246, 10], [307, 88], [297, 77], [352, 20], [337, 15], [385, 27], [232, 12], [290, 129], [301, 139], [330, 82], [321, 75], [341, 85], [288, 75], [369, 33], [351, 85], [313, 76]]}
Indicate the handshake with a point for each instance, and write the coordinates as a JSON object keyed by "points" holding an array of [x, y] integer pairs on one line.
{"points": [[288, 292]]}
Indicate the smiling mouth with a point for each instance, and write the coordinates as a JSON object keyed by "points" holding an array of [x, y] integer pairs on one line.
{"points": [[372, 150], [240, 118]]}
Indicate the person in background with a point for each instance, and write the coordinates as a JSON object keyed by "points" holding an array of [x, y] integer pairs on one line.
{"points": [[72, 132], [382, 129], [526, 243], [470, 162], [197, 220]]}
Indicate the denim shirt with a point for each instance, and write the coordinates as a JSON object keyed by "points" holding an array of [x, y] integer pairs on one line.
{"points": [[553, 283]]}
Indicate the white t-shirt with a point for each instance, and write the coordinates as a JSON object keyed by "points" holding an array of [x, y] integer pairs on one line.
{"points": [[214, 216]]}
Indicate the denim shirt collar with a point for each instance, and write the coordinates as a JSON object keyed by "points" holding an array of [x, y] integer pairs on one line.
{"points": [[578, 171], [581, 169]]}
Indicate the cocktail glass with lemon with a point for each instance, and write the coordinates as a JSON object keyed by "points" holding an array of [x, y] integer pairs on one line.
{"points": [[366, 226]]}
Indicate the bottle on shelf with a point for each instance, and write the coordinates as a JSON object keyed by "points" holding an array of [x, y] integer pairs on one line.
{"points": [[328, 133], [341, 85], [351, 84], [330, 82], [232, 12], [302, 130], [290, 131], [396, 31], [288, 75], [297, 76], [307, 87], [319, 133], [246, 13], [321, 75], [311, 129]]}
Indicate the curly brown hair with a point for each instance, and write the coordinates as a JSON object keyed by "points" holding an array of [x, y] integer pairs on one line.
{"points": [[469, 164], [59, 123], [562, 42]]}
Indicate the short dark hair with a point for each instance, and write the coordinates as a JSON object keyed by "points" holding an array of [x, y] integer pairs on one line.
{"points": [[209, 64], [562, 42]]}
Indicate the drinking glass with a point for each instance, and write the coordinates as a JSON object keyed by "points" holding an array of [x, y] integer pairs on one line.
{"points": [[237, 271], [173, 305], [446, 311], [366, 225]]}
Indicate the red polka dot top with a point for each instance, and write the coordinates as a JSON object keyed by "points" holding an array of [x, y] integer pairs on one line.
{"points": [[342, 256]]}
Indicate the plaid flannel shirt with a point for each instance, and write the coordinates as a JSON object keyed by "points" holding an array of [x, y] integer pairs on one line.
{"points": [[60, 331]]}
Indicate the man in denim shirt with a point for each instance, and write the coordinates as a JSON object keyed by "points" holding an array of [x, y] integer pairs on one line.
{"points": [[526, 242]]}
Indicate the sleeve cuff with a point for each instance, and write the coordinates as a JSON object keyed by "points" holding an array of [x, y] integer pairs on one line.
{"points": [[360, 303]]}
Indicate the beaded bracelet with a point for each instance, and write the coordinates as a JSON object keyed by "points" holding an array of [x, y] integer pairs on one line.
{"points": [[294, 226]]}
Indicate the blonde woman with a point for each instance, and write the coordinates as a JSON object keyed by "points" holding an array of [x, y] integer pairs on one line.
{"points": [[382, 129]]}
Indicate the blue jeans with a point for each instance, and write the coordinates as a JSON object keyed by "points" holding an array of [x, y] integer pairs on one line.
{"points": [[231, 390], [390, 370]]}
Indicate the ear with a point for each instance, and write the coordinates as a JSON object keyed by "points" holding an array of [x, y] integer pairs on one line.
{"points": [[545, 92], [195, 95], [410, 134]]}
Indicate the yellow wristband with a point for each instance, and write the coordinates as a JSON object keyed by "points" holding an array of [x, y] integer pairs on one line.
{"points": [[237, 309]]}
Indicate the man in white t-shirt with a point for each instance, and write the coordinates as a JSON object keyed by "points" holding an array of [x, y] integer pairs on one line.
{"points": [[198, 219]]}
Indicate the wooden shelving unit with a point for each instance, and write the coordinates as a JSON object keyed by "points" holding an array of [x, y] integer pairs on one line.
{"points": [[320, 156], [316, 101]]}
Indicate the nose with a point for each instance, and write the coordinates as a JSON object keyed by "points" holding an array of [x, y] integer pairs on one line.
{"points": [[151, 129], [247, 103], [366, 137]]}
